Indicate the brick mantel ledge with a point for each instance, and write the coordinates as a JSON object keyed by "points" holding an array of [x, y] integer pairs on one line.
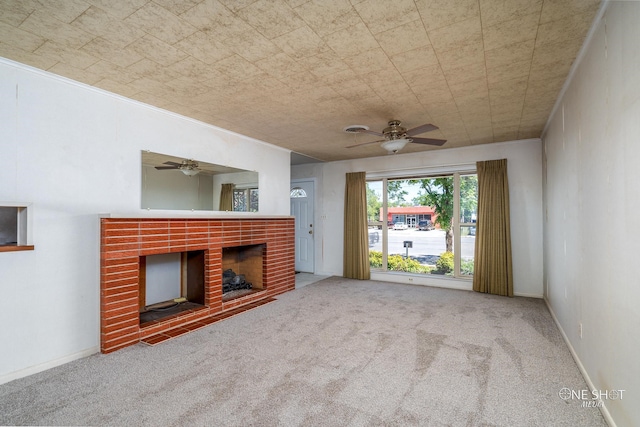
{"points": [[146, 215]]}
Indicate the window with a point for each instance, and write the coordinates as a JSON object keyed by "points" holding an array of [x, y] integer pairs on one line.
{"points": [[245, 200], [427, 223], [298, 192]]}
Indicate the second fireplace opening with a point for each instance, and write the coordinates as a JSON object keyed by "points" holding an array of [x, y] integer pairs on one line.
{"points": [[242, 270]]}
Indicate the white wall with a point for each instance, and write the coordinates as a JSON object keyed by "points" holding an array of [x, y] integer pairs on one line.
{"points": [[74, 152], [592, 196], [171, 189], [525, 190]]}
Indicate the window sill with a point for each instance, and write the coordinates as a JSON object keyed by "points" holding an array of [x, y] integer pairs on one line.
{"points": [[425, 275], [16, 248], [434, 280]]}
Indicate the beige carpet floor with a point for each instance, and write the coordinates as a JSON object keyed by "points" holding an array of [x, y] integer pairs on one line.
{"points": [[337, 352]]}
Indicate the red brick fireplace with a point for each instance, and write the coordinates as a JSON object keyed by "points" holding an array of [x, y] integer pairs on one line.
{"points": [[126, 242]]}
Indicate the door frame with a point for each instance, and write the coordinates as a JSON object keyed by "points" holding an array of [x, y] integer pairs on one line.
{"points": [[314, 182]]}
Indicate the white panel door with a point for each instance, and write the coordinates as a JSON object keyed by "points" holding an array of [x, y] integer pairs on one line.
{"points": [[302, 210]]}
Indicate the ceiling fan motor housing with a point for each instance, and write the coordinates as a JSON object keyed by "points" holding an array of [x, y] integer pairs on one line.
{"points": [[189, 164], [394, 130]]}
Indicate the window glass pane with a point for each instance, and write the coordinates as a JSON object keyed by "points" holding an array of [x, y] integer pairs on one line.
{"points": [[468, 215], [240, 201], [253, 199], [435, 199], [297, 192], [468, 199], [374, 218], [415, 240], [468, 244], [400, 245]]}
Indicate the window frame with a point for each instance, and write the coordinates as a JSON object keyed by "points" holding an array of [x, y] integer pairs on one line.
{"points": [[458, 225], [456, 171]]}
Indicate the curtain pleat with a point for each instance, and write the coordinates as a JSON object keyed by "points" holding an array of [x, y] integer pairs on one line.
{"points": [[226, 197], [356, 238], [493, 272]]}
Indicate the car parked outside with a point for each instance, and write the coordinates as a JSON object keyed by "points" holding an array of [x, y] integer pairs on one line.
{"points": [[425, 225], [400, 226], [375, 224]]}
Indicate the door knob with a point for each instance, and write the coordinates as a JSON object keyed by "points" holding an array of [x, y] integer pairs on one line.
{"points": [[310, 231]]}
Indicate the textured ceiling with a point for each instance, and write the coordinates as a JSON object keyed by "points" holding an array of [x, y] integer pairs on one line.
{"points": [[294, 73]]}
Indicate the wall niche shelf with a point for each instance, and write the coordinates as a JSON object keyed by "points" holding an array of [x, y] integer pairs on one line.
{"points": [[15, 227]]}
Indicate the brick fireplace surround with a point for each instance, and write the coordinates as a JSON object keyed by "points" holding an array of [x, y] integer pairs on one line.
{"points": [[124, 240]]}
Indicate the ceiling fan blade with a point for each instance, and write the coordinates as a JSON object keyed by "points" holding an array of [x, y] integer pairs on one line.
{"points": [[371, 132], [172, 164], [365, 143], [165, 167], [429, 141], [421, 129]]}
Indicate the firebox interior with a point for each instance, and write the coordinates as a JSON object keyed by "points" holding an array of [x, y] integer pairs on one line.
{"points": [[170, 284], [242, 270]]}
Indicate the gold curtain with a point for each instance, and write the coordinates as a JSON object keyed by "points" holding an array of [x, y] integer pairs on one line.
{"points": [[226, 197], [493, 272], [356, 235]]}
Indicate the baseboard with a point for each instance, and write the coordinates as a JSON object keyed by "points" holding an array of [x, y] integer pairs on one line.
{"points": [[436, 282], [603, 409], [48, 365], [520, 294]]}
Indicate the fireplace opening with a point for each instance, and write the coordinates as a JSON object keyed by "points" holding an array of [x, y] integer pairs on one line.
{"points": [[242, 271], [170, 284]]}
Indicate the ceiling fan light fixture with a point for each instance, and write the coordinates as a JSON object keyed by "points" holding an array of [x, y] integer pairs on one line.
{"points": [[189, 167], [394, 145], [189, 171]]}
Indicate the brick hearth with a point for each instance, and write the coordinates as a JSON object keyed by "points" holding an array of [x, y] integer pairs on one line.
{"points": [[124, 240]]}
